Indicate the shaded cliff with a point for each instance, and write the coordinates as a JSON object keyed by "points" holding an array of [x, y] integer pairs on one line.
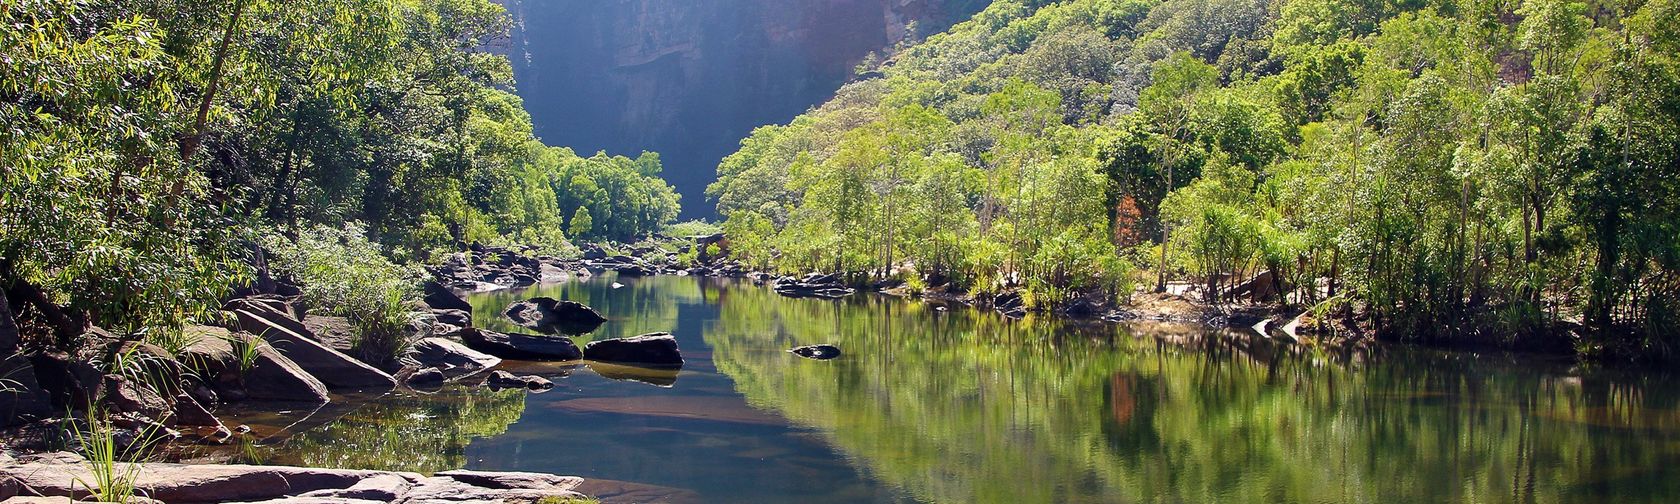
{"points": [[690, 78]]}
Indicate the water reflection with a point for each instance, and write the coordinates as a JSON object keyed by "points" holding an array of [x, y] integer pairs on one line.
{"points": [[965, 407], [422, 433]]}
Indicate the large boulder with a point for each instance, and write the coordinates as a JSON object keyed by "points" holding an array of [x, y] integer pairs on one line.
{"points": [[271, 376], [340, 372], [453, 360], [69, 383], [24, 400], [521, 346], [190, 412], [123, 395], [648, 350], [441, 298], [550, 315]]}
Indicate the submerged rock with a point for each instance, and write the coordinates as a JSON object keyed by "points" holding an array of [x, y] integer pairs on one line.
{"points": [[551, 315], [521, 346], [818, 352], [506, 380], [649, 350]]}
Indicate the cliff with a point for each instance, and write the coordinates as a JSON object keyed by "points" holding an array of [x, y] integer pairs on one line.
{"points": [[690, 78]]}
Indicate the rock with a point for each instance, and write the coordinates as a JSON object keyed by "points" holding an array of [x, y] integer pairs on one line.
{"points": [[377, 488], [1083, 307], [425, 377], [339, 371], [631, 270], [1260, 288], [812, 285], [452, 359], [446, 489], [649, 350], [271, 376], [526, 480], [334, 332], [26, 401], [457, 318], [189, 412], [178, 483], [521, 346], [818, 352], [550, 315], [127, 396], [136, 433], [506, 380], [441, 298], [69, 383]]}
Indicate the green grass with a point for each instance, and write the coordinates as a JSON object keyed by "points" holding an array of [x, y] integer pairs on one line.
{"points": [[110, 479]]}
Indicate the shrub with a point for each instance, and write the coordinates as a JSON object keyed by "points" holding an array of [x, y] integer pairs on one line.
{"points": [[343, 273], [697, 227]]}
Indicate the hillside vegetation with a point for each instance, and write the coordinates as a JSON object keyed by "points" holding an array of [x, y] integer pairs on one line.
{"points": [[1441, 170]]}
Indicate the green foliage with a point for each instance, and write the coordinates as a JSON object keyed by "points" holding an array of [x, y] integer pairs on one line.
{"points": [[696, 227], [1442, 167], [343, 273], [145, 140], [615, 197], [110, 477]]}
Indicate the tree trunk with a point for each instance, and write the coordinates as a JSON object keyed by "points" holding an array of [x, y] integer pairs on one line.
{"points": [[189, 145]]}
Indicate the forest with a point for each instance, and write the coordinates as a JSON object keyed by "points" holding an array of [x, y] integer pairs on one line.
{"points": [[1476, 172], [149, 146], [1443, 171]]}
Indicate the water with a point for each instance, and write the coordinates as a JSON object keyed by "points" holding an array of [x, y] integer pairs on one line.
{"points": [[963, 406]]}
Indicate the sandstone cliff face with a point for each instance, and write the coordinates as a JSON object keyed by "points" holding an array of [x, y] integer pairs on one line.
{"points": [[690, 78]]}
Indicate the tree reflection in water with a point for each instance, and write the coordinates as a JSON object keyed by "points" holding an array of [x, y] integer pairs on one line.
{"points": [[963, 406]]}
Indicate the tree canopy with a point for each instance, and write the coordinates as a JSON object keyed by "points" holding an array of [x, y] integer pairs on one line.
{"points": [[1448, 169], [145, 140]]}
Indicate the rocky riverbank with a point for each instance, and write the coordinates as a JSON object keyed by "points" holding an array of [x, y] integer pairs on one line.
{"points": [[270, 352]]}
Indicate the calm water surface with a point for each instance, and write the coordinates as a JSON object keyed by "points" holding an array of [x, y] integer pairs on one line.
{"points": [[963, 406]]}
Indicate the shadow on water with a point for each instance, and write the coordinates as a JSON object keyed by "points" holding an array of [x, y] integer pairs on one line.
{"points": [[964, 406]]}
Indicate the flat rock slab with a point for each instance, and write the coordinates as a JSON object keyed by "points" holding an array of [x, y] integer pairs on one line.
{"points": [[59, 477]]}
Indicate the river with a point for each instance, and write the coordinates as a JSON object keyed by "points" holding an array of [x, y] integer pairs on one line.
{"points": [[961, 405]]}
